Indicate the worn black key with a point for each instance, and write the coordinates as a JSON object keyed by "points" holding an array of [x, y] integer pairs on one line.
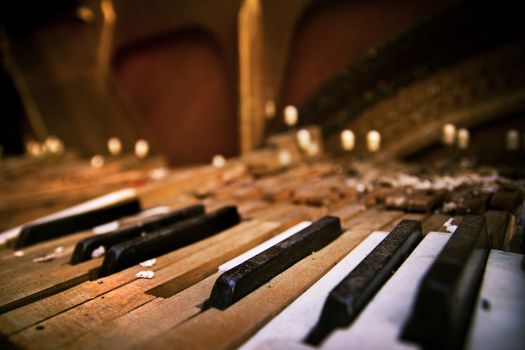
{"points": [[85, 247], [447, 293], [236, 283], [132, 252], [39, 232], [352, 294]]}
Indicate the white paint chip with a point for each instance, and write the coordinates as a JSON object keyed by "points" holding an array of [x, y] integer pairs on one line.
{"points": [[158, 210], [449, 227], [147, 274], [19, 253], [148, 263], [45, 258], [58, 250], [98, 252], [105, 228]]}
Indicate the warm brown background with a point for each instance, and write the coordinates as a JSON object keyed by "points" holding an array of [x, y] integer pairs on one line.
{"points": [[172, 74], [329, 38], [181, 88]]}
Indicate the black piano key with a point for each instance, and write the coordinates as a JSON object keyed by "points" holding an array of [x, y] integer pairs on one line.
{"points": [[85, 247], [447, 293], [40, 232], [236, 283], [132, 252], [352, 294]]}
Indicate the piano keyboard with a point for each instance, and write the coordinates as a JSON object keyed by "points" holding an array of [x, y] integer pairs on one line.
{"points": [[244, 260]]}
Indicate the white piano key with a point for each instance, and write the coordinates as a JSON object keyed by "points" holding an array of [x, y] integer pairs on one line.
{"points": [[294, 322], [99, 202], [499, 319], [381, 322], [263, 246]]}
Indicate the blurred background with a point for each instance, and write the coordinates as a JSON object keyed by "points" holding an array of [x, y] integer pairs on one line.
{"points": [[205, 77]]}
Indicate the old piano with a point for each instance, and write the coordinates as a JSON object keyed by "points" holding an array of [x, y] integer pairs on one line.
{"points": [[368, 195]]}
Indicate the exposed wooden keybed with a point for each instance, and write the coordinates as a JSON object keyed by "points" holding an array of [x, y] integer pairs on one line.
{"points": [[47, 303]]}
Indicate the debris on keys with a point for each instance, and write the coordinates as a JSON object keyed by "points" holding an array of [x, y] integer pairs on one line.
{"points": [[449, 226], [58, 251], [148, 274], [148, 263], [98, 252], [45, 258]]}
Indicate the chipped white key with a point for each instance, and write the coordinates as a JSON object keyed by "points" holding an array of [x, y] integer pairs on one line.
{"points": [[115, 225], [263, 246], [381, 322], [499, 319], [294, 322], [105, 200]]}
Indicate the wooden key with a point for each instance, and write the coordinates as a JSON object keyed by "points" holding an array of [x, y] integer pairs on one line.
{"points": [[85, 247], [442, 309], [434, 222], [233, 326], [132, 252], [76, 313], [244, 278], [497, 223], [424, 201], [467, 201], [43, 231], [510, 201], [351, 295], [137, 328], [397, 200]]}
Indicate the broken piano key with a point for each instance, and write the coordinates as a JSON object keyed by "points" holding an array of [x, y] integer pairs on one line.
{"points": [[131, 252], [84, 248], [423, 201], [447, 293], [498, 222], [239, 281], [507, 200], [43, 231], [466, 201], [352, 294]]}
